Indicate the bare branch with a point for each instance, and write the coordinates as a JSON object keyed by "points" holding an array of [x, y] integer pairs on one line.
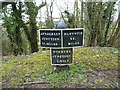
{"points": [[39, 82]]}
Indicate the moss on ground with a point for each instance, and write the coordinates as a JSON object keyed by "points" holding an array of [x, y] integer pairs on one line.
{"points": [[37, 67], [97, 58]]}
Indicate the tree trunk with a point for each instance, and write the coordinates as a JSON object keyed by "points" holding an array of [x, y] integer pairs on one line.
{"points": [[116, 35], [108, 24], [91, 15], [81, 13], [76, 14], [99, 30], [51, 17], [18, 38], [33, 42], [32, 33]]}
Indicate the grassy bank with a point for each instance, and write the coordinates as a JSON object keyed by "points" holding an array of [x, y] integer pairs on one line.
{"points": [[93, 67]]}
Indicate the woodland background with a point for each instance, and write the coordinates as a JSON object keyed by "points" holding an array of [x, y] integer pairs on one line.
{"points": [[19, 32]]}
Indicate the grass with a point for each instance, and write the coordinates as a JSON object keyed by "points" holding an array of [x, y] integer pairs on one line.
{"points": [[36, 67]]}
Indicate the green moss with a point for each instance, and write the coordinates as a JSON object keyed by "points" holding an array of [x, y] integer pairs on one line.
{"points": [[37, 67], [97, 58]]}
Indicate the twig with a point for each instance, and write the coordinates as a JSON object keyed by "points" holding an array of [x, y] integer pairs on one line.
{"points": [[39, 82]]}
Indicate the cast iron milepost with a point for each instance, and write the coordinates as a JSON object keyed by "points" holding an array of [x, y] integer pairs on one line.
{"points": [[61, 42], [68, 57]]}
